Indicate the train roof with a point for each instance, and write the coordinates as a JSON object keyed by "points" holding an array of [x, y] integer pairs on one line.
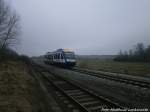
{"points": [[48, 53], [59, 50], [64, 50]]}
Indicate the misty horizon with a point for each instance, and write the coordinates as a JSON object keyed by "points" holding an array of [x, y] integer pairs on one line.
{"points": [[88, 27]]}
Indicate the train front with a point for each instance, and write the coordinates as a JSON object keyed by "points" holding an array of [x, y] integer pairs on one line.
{"points": [[69, 58]]}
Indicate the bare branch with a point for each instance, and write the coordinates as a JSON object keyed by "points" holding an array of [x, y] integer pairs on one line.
{"points": [[9, 26]]}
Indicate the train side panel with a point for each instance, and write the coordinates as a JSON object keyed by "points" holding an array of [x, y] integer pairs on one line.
{"points": [[61, 58]]}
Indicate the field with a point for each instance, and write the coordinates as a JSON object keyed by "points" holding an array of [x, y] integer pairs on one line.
{"points": [[132, 68], [18, 89]]}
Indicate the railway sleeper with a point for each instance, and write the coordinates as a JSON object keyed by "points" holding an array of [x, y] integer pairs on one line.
{"points": [[67, 104], [81, 96], [91, 103], [76, 94], [86, 100], [75, 90], [96, 109]]}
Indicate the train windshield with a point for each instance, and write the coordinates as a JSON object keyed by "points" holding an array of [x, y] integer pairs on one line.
{"points": [[70, 55]]}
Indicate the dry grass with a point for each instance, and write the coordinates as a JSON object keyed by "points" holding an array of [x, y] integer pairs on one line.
{"points": [[141, 69], [18, 89]]}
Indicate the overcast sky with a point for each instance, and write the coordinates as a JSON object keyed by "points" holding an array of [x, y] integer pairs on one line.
{"points": [[86, 26]]}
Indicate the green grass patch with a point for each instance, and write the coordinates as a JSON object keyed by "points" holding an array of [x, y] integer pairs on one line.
{"points": [[132, 68]]}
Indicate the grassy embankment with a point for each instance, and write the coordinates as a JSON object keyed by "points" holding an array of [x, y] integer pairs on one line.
{"points": [[133, 68], [19, 91]]}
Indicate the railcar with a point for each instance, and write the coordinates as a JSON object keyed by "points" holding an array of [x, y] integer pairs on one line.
{"points": [[61, 57]]}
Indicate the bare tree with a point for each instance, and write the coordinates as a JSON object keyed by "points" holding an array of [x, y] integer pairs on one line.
{"points": [[11, 32], [9, 27], [140, 53]]}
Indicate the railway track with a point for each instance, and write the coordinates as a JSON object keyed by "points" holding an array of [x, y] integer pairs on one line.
{"points": [[75, 98], [112, 77]]}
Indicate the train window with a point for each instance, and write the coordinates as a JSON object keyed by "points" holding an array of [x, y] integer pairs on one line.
{"points": [[69, 55], [57, 56], [61, 56], [51, 57]]}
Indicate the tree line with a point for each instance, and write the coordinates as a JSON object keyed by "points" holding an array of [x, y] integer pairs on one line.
{"points": [[139, 53], [9, 29]]}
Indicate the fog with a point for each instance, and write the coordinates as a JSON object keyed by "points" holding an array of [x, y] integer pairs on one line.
{"points": [[86, 26]]}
